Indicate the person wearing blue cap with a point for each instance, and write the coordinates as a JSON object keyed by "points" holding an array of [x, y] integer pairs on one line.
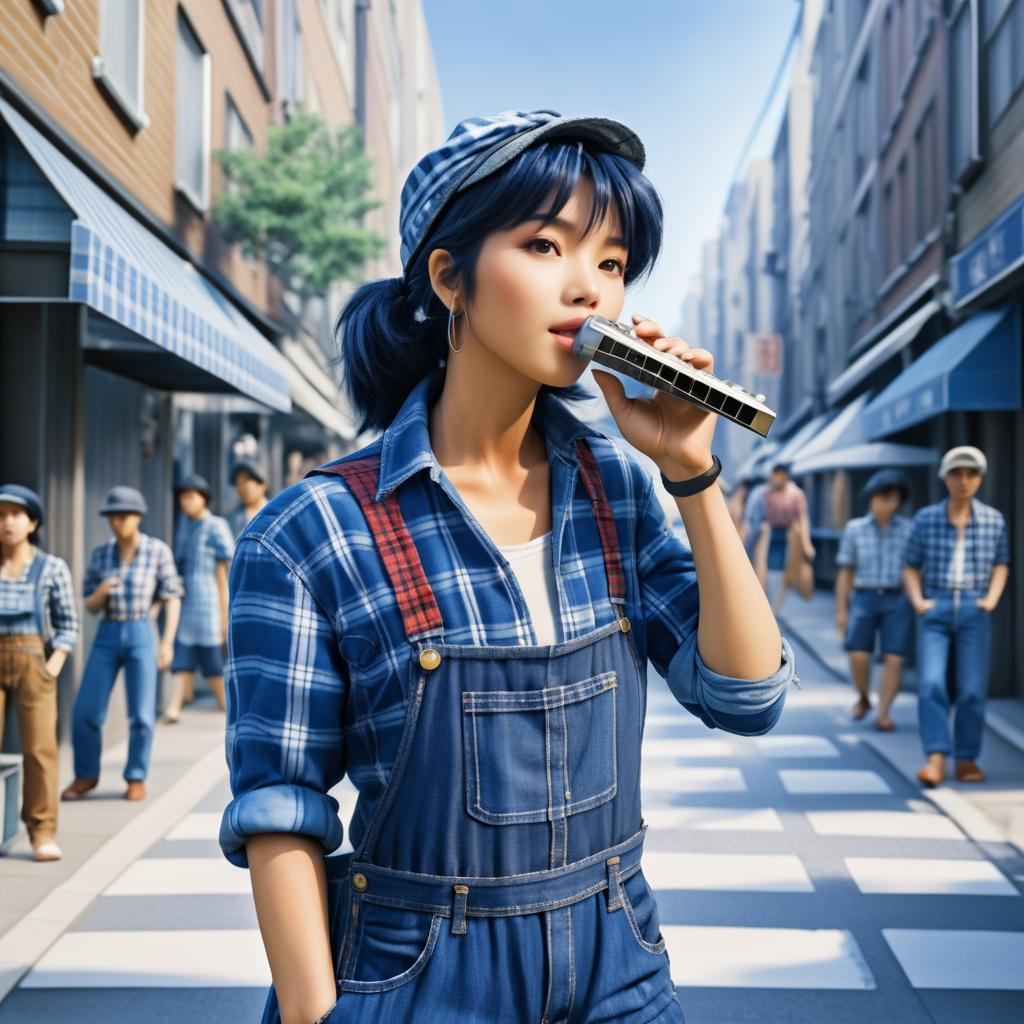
{"points": [[38, 630], [203, 546], [871, 606], [460, 615], [955, 570], [250, 483], [128, 579]]}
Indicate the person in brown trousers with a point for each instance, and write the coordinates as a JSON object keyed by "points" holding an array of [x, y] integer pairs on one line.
{"points": [[38, 629]]}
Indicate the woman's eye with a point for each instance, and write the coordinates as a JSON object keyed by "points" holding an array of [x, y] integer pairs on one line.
{"points": [[618, 264], [541, 242]]}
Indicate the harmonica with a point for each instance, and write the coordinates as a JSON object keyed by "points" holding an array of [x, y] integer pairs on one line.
{"points": [[616, 346]]}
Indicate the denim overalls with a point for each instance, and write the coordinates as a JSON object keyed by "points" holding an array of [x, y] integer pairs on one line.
{"points": [[499, 879]]}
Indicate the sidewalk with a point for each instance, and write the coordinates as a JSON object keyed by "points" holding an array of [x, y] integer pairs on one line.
{"points": [[992, 812], [101, 834]]}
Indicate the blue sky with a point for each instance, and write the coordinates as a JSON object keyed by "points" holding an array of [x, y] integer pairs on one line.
{"points": [[688, 75]]}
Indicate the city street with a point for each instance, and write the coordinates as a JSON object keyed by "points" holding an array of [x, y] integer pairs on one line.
{"points": [[801, 878]]}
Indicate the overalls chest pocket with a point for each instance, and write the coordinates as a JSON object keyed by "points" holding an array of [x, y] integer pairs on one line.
{"points": [[540, 755]]}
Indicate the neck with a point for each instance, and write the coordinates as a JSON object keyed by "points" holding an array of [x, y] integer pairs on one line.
{"points": [[884, 521], [200, 515], [255, 506], [958, 506], [127, 545], [474, 425], [21, 551]]}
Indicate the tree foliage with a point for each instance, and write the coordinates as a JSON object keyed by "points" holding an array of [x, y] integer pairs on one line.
{"points": [[299, 205]]}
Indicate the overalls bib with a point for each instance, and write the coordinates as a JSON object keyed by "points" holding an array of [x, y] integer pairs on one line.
{"points": [[499, 877]]}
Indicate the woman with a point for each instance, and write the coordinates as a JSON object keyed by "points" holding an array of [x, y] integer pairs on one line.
{"points": [[38, 630], [128, 577], [459, 617]]}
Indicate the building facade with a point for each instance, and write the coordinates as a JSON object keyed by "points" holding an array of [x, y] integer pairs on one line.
{"points": [[136, 343]]}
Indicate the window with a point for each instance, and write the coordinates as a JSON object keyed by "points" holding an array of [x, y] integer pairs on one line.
{"points": [[30, 209], [964, 142], [247, 17], [236, 131], [926, 173], [192, 138], [339, 16], [1004, 54], [118, 68], [862, 122], [903, 242], [290, 71], [863, 283], [890, 233]]}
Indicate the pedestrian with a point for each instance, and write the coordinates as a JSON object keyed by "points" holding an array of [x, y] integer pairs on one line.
{"points": [[38, 630], [202, 550], [753, 514], [955, 571], [784, 542], [459, 616], [129, 578], [870, 603], [250, 482]]}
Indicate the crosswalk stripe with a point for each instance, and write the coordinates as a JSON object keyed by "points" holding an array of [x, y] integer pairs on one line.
{"points": [[661, 817], [198, 825], [671, 747], [165, 876], [795, 746], [766, 958], [928, 876], [884, 824], [954, 959], [667, 778], [153, 959], [833, 782], [729, 872]]}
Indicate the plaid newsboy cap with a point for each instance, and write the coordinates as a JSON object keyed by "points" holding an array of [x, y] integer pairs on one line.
{"points": [[479, 146]]}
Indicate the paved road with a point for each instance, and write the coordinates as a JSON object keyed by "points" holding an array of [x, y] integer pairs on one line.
{"points": [[800, 879]]}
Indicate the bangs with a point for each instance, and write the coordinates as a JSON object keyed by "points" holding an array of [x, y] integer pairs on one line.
{"points": [[540, 182]]}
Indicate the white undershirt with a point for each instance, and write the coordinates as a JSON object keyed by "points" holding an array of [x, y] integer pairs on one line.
{"points": [[958, 569], [531, 562]]}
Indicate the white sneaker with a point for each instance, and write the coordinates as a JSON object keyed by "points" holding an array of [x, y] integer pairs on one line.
{"points": [[47, 850]]}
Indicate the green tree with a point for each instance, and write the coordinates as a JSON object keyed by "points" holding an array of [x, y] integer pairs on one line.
{"points": [[299, 205]]}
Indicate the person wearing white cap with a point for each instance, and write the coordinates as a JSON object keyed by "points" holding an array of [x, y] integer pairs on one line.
{"points": [[955, 570]]}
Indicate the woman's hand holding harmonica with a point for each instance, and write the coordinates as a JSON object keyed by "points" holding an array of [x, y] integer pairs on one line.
{"points": [[675, 434]]}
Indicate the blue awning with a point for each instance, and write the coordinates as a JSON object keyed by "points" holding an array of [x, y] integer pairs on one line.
{"points": [[845, 429], [789, 450], [121, 269], [880, 454], [975, 367]]}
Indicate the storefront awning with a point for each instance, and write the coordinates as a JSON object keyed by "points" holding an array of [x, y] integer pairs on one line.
{"points": [[976, 367], [879, 455], [791, 448], [845, 429], [121, 269], [898, 338], [754, 464]]}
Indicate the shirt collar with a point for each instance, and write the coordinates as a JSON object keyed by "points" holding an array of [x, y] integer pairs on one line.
{"points": [[405, 445]]}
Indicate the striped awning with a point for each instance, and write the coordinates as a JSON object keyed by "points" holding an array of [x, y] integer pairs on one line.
{"points": [[121, 269]]}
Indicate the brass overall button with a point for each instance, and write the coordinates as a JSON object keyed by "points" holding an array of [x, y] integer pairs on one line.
{"points": [[429, 659], [359, 882], [624, 624]]}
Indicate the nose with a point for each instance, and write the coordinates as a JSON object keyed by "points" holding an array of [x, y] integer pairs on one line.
{"points": [[582, 285]]}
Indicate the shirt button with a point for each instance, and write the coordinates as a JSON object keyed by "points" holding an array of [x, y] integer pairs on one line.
{"points": [[359, 882], [429, 659]]}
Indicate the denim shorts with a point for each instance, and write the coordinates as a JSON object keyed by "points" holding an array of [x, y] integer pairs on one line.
{"points": [[207, 657], [874, 614]]}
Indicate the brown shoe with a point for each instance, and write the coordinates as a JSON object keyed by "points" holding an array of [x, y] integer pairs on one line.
{"points": [[885, 724], [861, 708], [136, 790], [78, 789], [934, 771], [968, 771]]}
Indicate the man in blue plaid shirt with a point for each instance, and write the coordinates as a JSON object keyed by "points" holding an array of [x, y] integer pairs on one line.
{"points": [[955, 570], [128, 579]]}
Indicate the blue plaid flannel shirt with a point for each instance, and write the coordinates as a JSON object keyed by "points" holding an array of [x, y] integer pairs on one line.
{"points": [[875, 555], [61, 627], [199, 544], [318, 659], [149, 576], [933, 539]]}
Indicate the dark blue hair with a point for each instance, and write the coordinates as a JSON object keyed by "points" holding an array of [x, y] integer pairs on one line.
{"points": [[393, 332]]}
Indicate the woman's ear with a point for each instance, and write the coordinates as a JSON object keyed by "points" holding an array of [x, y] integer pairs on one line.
{"points": [[443, 279]]}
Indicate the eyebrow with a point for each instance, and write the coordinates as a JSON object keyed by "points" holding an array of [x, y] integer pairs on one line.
{"points": [[565, 225]]}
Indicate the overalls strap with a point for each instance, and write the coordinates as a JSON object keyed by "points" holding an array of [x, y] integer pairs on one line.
{"points": [[35, 580], [605, 522], [420, 612]]}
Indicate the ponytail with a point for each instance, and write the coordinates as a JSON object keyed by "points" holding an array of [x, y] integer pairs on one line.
{"points": [[389, 343]]}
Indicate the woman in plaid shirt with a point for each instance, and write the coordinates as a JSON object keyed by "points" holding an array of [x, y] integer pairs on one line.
{"points": [[490, 717]]}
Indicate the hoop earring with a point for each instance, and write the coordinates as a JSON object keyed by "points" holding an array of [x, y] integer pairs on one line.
{"points": [[451, 331]]}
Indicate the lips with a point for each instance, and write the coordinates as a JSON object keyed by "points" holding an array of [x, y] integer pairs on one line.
{"points": [[568, 326]]}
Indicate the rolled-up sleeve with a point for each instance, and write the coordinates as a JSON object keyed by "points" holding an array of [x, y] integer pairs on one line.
{"points": [[61, 599], [286, 686], [846, 556], [671, 603], [913, 554]]}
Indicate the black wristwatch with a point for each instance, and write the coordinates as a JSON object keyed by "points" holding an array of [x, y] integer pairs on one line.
{"points": [[687, 488]]}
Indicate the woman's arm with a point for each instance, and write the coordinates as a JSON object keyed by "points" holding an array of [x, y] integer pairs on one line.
{"points": [[97, 600], [996, 585], [736, 632], [844, 584], [289, 887]]}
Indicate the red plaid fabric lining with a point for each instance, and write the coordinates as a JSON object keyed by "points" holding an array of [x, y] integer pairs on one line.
{"points": [[416, 600], [420, 613], [605, 522]]}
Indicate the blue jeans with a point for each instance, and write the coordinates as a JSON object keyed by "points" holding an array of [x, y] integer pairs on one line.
{"points": [[955, 617], [131, 646]]}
